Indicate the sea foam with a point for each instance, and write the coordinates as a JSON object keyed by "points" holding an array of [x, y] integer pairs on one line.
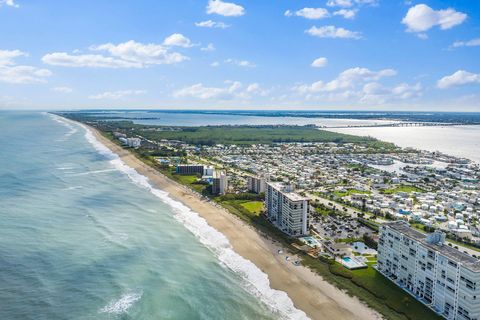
{"points": [[255, 281], [123, 304]]}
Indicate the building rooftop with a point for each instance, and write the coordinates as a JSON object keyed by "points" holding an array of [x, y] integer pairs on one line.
{"points": [[453, 254], [293, 196]]}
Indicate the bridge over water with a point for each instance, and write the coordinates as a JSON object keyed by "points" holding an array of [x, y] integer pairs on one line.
{"points": [[403, 124]]}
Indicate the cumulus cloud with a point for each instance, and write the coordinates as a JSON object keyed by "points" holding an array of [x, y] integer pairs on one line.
{"points": [[212, 24], [241, 63], [348, 79], [116, 95], [461, 77], [350, 3], [309, 13], [319, 62], [226, 9], [421, 18], [209, 47], [177, 40], [470, 43], [64, 59], [359, 85], [346, 13], [374, 92], [10, 72], [128, 54], [10, 3], [62, 89], [333, 32], [232, 90]]}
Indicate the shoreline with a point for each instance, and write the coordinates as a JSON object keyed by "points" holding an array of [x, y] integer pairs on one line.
{"points": [[307, 290]]}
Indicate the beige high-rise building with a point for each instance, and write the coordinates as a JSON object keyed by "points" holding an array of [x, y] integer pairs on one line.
{"points": [[219, 183]]}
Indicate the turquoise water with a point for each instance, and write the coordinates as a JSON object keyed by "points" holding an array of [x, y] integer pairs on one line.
{"points": [[82, 236]]}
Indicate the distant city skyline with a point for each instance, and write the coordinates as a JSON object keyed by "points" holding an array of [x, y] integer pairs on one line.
{"points": [[398, 55]]}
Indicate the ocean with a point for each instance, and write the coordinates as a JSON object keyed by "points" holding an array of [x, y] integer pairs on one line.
{"points": [[83, 236]]}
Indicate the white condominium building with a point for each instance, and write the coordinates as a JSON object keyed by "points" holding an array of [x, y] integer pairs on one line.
{"points": [[287, 210], [443, 278], [134, 142], [256, 184]]}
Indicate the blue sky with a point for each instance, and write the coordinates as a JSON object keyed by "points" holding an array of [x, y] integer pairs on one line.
{"points": [[239, 54]]}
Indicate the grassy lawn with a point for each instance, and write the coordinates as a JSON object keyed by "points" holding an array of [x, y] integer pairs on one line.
{"points": [[254, 207], [403, 188], [245, 209], [349, 192], [185, 179]]}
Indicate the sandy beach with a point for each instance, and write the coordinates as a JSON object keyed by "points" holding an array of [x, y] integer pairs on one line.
{"points": [[308, 291]]}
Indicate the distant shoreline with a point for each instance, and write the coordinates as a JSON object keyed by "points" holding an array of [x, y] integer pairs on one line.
{"points": [[459, 118], [309, 292]]}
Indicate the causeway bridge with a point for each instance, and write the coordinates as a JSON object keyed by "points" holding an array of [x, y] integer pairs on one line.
{"points": [[402, 124]]}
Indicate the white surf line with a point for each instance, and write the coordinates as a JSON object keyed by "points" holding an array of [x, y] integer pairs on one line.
{"points": [[256, 282]]}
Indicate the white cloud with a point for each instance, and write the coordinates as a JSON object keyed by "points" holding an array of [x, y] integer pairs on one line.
{"points": [[19, 74], [209, 47], [340, 3], [461, 77], [62, 89], [177, 40], [226, 9], [376, 93], [421, 18], [212, 24], [309, 13], [348, 79], [346, 13], [144, 54], [64, 59], [116, 95], [232, 90], [333, 32], [470, 43], [350, 3], [128, 54], [241, 63], [10, 3], [7, 56], [255, 88], [199, 91], [319, 62], [422, 36], [215, 64]]}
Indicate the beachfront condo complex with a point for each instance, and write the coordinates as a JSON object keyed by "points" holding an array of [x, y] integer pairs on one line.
{"points": [[286, 209], [443, 278]]}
